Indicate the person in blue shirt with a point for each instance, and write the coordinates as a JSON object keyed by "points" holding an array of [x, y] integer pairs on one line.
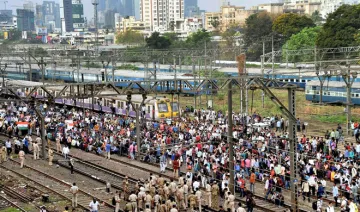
{"points": [[26, 145], [107, 149], [335, 191]]}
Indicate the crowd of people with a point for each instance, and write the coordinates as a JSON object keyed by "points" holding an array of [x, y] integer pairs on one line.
{"points": [[198, 142]]}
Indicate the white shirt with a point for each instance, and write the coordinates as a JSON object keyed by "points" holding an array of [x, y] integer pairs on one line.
{"points": [[66, 150], [94, 206], [330, 209], [240, 209]]}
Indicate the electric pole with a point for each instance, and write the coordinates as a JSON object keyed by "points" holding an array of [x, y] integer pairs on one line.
{"points": [[42, 66]]}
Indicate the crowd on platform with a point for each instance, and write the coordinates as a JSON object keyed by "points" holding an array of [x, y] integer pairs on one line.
{"points": [[199, 143]]}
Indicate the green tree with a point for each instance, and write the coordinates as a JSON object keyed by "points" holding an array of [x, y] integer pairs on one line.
{"points": [[215, 22], [155, 41], [199, 38], [289, 24], [230, 35], [172, 36], [257, 27], [316, 17], [340, 28], [129, 37], [304, 39]]}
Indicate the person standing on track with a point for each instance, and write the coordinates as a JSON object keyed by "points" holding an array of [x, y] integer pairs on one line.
{"points": [[58, 145], [36, 149], [94, 206], [163, 163], [215, 196], [132, 199], [117, 201], [51, 156], [74, 190], [3, 154], [107, 149], [65, 151], [125, 187], [71, 163], [8, 147], [22, 158]]}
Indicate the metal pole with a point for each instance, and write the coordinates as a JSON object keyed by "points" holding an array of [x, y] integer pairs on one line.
{"points": [[348, 100], [293, 144], [272, 55], [138, 126], [78, 67], [113, 64], [229, 138], [43, 145], [287, 56], [263, 73], [193, 71], [30, 71]]}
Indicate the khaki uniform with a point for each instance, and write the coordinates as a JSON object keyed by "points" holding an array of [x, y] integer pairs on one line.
{"points": [[125, 186], [192, 200], [198, 194], [163, 208], [128, 207], [166, 192], [22, 158], [36, 150], [58, 145], [51, 156], [3, 153], [207, 195], [180, 198], [186, 194], [215, 196], [157, 201], [141, 198], [74, 190], [132, 199], [148, 200]]}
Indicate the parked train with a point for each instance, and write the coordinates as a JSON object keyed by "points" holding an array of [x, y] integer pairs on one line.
{"points": [[334, 92], [153, 107]]}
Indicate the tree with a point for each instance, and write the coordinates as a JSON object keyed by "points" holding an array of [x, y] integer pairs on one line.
{"points": [[215, 22], [289, 24], [316, 17], [172, 36], [257, 27], [155, 41], [199, 38], [304, 39], [129, 37], [340, 28], [230, 35]]}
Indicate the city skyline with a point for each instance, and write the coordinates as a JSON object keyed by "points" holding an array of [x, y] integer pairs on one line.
{"points": [[208, 5]]}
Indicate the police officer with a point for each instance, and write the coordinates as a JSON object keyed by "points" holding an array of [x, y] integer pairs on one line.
{"points": [[51, 156], [22, 158], [36, 150]]}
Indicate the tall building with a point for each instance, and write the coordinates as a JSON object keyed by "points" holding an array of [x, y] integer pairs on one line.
{"points": [[137, 9], [78, 15], [57, 16], [110, 18], [66, 16], [39, 20], [48, 13], [72, 16], [162, 15], [25, 20], [6, 16], [29, 6], [190, 5], [126, 8]]}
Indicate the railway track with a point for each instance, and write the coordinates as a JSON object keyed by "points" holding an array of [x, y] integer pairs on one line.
{"points": [[56, 185], [261, 204], [9, 202]]}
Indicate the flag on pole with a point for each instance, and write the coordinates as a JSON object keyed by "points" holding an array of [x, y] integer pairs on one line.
{"points": [[23, 125]]}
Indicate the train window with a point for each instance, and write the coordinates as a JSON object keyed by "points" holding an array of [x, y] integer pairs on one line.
{"points": [[149, 109], [175, 107], [163, 108], [121, 105], [118, 104], [303, 80], [136, 105]]}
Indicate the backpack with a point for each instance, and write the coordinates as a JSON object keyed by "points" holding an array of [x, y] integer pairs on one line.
{"points": [[314, 205], [113, 202]]}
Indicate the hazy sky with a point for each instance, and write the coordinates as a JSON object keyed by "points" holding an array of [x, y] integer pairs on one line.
{"points": [[209, 5]]}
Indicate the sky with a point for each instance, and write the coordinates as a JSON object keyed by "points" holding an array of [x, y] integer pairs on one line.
{"points": [[209, 5]]}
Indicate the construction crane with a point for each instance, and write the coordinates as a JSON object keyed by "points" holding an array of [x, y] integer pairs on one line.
{"points": [[5, 2]]}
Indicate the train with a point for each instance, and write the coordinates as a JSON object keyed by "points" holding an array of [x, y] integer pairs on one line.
{"points": [[333, 92], [157, 108]]}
